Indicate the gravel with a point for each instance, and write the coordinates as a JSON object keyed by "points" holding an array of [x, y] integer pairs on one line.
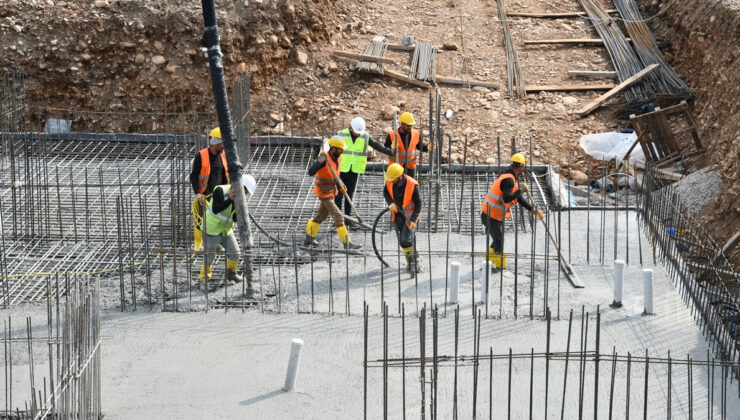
{"points": [[699, 188]]}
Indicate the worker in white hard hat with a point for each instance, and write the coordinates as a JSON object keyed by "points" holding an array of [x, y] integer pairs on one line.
{"points": [[218, 225], [209, 170], [354, 160], [406, 140]]}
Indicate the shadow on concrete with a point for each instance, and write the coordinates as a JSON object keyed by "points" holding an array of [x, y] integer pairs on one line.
{"points": [[262, 397]]}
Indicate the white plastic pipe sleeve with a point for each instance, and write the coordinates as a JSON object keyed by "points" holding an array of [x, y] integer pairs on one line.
{"points": [[618, 283], [647, 287], [454, 281], [295, 359]]}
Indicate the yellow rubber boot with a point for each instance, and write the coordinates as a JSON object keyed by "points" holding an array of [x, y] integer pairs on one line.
{"points": [[344, 238], [409, 254], [205, 274], [198, 236], [312, 229], [231, 268], [499, 260]]}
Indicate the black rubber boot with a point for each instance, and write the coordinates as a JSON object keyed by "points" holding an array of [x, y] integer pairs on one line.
{"points": [[310, 241]]}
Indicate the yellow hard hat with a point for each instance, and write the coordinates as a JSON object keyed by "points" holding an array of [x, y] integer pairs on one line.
{"points": [[216, 133], [407, 118], [336, 142], [393, 172], [518, 158]]}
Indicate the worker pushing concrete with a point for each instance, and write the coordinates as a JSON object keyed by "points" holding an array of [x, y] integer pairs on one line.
{"points": [[354, 161], [325, 171], [409, 144], [404, 201], [504, 193], [209, 170], [218, 223]]}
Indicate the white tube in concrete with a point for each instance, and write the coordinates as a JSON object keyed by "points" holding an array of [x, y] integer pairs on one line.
{"points": [[618, 283], [295, 358], [647, 290], [454, 281]]}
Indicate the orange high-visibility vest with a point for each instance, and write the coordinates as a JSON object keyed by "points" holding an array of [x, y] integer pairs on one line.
{"points": [[408, 193], [325, 185], [205, 169], [494, 205], [406, 158]]}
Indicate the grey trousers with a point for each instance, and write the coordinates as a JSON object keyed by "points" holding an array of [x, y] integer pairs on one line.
{"points": [[229, 243], [406, 235]]}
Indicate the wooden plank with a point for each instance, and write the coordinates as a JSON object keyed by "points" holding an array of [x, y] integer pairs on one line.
{"points": [[586, 41], [555, 15], [363, 57], [405, 78], [593, 105], [592, 73], [567, 88], [410, 48], [466, 83]]}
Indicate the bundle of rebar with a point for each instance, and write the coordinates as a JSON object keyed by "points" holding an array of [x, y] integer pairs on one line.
{"points": [[623, 57], [424, 62], [376, 49], [667, 83], [514, 76]]}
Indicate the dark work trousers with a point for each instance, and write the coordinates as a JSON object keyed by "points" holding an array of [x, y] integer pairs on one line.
{"points": [[350, 181], [495, 230], [406, 235]]}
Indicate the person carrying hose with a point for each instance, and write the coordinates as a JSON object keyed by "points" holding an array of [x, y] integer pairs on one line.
{"points": [[218, 223], [209, 171], [404, 201], [325, 187], [410, 141], [504, 193]]}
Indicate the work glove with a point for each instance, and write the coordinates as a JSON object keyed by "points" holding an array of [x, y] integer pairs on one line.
{"points": [[321, 158], [343, 190], [411, 225], [538, 214], [199, 197], [432, 146], [393, 208], [524, 187]]}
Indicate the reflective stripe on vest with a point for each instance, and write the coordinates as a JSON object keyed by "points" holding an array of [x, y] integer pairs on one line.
{"points": [[354, 156], [219, 223], [408, 194], [406, 158], [493, 205], [325, 185], [205, 169]]}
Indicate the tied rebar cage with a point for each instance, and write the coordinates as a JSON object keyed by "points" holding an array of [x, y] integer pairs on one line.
{"points": [[707, 279], [71, 387], [424, 365]]}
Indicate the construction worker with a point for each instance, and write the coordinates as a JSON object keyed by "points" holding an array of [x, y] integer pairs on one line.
{"points": [[326, 170], [209, 170], [354, 160], [217, 223], [404, 201], [409, 144], [503, 194]]}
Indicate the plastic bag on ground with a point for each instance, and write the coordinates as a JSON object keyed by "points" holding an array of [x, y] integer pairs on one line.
{"points": [[607, 146]]}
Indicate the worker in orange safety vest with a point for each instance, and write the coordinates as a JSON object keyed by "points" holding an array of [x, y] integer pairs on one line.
{"points": [[408, 145], [209, 171], [404, 201]]}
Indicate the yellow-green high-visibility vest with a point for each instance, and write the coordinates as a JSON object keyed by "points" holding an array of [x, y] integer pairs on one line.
{"points": [[219, 223], [354, 156]]}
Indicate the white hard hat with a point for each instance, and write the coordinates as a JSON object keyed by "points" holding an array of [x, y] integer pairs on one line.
{"points": [[249, 183], [358, 125]]}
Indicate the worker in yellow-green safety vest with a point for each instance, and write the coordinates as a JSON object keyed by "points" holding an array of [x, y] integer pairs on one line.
{"points": [[354, 159], [217, 227]]}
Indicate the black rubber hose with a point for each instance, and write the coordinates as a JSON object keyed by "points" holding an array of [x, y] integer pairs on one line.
{"points": [[375, 227]]}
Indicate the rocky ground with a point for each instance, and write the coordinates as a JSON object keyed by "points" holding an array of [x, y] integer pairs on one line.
{"points": [[91, 51]]}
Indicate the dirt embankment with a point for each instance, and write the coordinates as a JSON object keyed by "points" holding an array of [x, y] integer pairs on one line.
{"points": [[704, 37], [94, 49]]}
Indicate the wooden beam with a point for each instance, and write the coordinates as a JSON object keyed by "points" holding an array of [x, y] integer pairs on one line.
{"points": [[556, 15], [566, 88], [363, 57], [593, 105], [590, 73], [466, 83], [585, 41], [405, 78]]}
